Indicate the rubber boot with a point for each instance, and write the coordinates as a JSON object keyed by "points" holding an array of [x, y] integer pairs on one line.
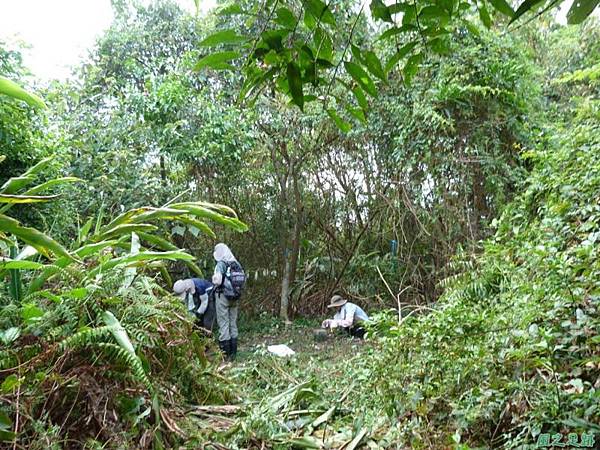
{"points": [[233, 351], [225, 347]]}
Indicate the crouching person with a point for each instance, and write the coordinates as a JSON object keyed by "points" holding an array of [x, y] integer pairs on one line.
{"points": [[349, 316], [196, 295]]}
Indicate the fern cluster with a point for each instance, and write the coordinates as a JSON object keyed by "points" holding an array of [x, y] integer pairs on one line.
{"points": [[68, 340]]}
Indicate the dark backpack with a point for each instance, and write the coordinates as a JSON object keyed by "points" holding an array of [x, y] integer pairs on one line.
{"points": [[234, 280]]}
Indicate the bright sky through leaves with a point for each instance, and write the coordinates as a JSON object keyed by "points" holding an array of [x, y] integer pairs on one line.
{"points": [[60, 31]]}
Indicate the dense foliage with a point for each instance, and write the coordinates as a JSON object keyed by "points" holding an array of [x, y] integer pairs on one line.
{"points": [[440, 173]]}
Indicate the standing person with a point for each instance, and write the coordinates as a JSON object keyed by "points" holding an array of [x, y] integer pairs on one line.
{"points": [[229, 279], [348, 316]]}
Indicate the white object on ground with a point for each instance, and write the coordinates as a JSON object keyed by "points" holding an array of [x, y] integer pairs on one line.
{"points": [[281, 350]]}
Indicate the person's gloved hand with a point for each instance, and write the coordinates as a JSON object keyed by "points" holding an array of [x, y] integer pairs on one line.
{"points": [[334, 323], [326, 323]]}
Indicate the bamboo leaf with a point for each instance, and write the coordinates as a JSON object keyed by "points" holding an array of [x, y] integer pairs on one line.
{"points": [[503, 7], [199, 224], [142, 256], [580, 10], [13, 184], [200, 211], [523, 8], [126, 229], [12, 89], [7, 263], [484, 15], [13, 199], [43, 243]]}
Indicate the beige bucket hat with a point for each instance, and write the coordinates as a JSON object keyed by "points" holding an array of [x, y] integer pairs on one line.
{"points": [[337, 301]]}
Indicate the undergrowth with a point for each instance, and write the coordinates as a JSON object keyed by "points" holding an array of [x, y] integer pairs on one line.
{"points": [[510, 352]]}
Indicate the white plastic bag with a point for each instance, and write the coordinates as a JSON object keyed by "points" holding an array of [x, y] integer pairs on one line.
{"points": [[281, 350]]}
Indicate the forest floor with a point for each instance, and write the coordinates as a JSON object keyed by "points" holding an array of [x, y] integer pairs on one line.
{"points": [[278, 396]]}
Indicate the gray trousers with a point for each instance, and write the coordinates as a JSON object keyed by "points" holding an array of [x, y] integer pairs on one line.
{"points": [[227, 312]]}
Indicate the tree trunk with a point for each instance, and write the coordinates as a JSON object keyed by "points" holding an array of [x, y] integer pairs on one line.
{"points": [[285, 288], [291, 259]]}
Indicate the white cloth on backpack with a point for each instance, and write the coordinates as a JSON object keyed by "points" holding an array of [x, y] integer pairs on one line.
{"points": [[221, 253]]}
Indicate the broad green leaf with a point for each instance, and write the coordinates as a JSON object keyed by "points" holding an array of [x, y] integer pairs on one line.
{"points": [[155, 213], [397, 30], [473, 29], [50, 183], [222, 37], [432, 12], [6, 264], [93, 249], [360, 98], [440, 45], [380, 11], [411, 67], [200, 211], [5, 422], [31, 313], [357, 53], [118, 332], [12, 89], [139, 257], [12, 199], [13, 184], [42, 187], [43, 243], [223, 209], [401, 53], [396, 8], [523, 8], [580, 10], [126, 229], [7, 436], [10, 335], [230, 10], [217, 61], [200, 225], [358, 113], [374, 65], [323, 44], [361, 77], [9, 384], [286, 18], [320, 10], [484, 14], [295, 84], [344, 126], [157, 241], [503, 7], [39, 166]]}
